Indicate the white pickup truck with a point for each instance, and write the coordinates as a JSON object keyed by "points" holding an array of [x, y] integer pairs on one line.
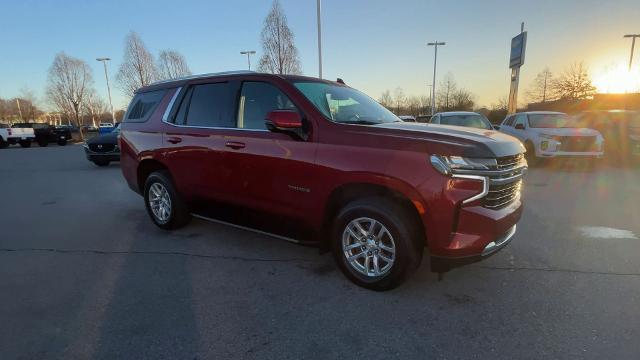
{"points": [[9, 136]]}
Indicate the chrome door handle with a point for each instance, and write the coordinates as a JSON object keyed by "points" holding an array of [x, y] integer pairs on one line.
{"points": [[174, 140], [236, 145]]}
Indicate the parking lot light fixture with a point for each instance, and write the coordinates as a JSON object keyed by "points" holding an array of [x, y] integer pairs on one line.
{"points": [[435, 44], [248, 53], [104, 60], [633, 45]]}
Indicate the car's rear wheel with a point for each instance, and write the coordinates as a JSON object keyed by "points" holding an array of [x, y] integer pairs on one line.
{"points": [[376, 243], [25, 143], [3, 144], [62, 142], [164, 205]]}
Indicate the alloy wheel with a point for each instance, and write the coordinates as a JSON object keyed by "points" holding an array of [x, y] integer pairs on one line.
{"points": [[368, 247]]}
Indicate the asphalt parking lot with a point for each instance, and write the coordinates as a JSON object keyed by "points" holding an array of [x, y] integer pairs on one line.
{"points": [[85, 274]]}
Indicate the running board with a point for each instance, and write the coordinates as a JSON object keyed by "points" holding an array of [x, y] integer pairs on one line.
{"points": [[279, 237]]}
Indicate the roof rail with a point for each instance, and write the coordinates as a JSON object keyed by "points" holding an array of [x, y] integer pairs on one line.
{"points": [[200, 76]]}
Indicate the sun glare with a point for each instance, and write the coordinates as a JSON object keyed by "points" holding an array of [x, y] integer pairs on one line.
{"points": [[617, 79]]}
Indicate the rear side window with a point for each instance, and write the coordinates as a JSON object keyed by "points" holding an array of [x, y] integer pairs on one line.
{"points": [[509, 121], [209, 105], [143, 105], [256, 100]]}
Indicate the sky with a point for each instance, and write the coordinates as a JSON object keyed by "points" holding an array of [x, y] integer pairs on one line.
{"points": [[374, 45]]}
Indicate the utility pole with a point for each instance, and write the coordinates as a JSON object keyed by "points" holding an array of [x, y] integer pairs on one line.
{"points": [[433, 86], [633, 45], [106, 76], [429, 86], [248, 53], [319, 13]]}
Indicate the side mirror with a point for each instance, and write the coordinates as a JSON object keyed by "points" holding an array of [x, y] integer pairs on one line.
{"points": [[519, 127], [286, 121], [496, 127]]}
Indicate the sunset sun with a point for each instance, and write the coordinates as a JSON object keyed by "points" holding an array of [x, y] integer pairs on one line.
{"points": [[617, 79]]}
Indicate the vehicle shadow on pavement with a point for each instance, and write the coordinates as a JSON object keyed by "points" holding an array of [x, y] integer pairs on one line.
{"points": [[150, 313]]}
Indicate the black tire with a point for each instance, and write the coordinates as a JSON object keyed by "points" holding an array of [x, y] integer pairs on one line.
{"points": [[25, 143], [43, 143], [3, 144], [400, 225], [530, 155], [101, 162], [62, 142], [179, 214]]}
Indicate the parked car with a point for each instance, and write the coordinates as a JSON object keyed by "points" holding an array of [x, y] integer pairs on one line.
{"points": [[547, 134], [317, 161], [104, 128], [9, 136], [45, 133], [423, 118], [620, 130], [462, 118], [407, 118], [102, 149]]}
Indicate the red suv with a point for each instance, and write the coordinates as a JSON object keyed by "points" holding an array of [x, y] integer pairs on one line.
{"points": [[316, 161]]}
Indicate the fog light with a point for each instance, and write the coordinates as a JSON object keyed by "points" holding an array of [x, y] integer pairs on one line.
{"points": [[544, 145]]}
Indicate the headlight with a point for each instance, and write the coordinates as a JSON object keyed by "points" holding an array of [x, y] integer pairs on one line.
{"points": [[447, 165]]}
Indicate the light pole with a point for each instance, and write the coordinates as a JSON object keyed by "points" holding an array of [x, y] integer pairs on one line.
{"points": [[430, 86], [318, 13], [633, 45], [106, 76], [433, 86], [248, 53]]}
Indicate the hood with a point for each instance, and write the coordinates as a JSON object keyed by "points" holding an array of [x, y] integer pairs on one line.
{"points": [[566, 131], [474, 142], [109, 138]]}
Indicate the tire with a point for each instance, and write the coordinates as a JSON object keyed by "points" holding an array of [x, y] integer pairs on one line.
{"points": [[62, 142], [43, 143], [101, 162], [3, 144], [178, 212], [530, 155], [402, 234], [25, 143]]}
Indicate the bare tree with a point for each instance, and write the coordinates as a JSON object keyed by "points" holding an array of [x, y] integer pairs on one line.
{"points": [[95, 106], [541, 88], [399, 99], [68, 83], [28, 105], [171, 65], [385, 99], [447, 87], [574, 83], [462, 100], [425, 104], [138, 68], [280, 55], [413, 105]]}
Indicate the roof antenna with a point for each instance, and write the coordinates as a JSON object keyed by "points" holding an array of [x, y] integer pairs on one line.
{"points": [[340, 81]]}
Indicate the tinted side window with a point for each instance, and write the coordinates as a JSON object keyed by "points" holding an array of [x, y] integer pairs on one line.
{"points": [[211, 106], [143, 105], [256, 100], [509, 121], [521, 119]]}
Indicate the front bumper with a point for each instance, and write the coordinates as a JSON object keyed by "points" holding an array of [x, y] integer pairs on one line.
{"points": [[585, 154], [106, 156]]}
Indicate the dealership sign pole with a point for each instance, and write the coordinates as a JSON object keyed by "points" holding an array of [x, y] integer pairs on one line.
{"points": [[516, 60]]}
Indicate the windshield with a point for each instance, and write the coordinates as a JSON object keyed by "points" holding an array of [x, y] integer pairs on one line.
{"points": [[468, 120], [550, 121], [343, 104]]}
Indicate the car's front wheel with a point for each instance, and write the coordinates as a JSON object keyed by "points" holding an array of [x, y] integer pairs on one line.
{"points": [[25, 143], [164, 205], [101, 162], [62, 142], [376, 243]]}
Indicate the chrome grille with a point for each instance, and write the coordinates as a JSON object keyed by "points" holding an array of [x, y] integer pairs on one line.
{"points": [[578, 143], [509, 162], [500, 196], [101, 148]]}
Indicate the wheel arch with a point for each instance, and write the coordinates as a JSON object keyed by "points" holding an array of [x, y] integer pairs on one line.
{"points": [[345, 193], [145, 168]]}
